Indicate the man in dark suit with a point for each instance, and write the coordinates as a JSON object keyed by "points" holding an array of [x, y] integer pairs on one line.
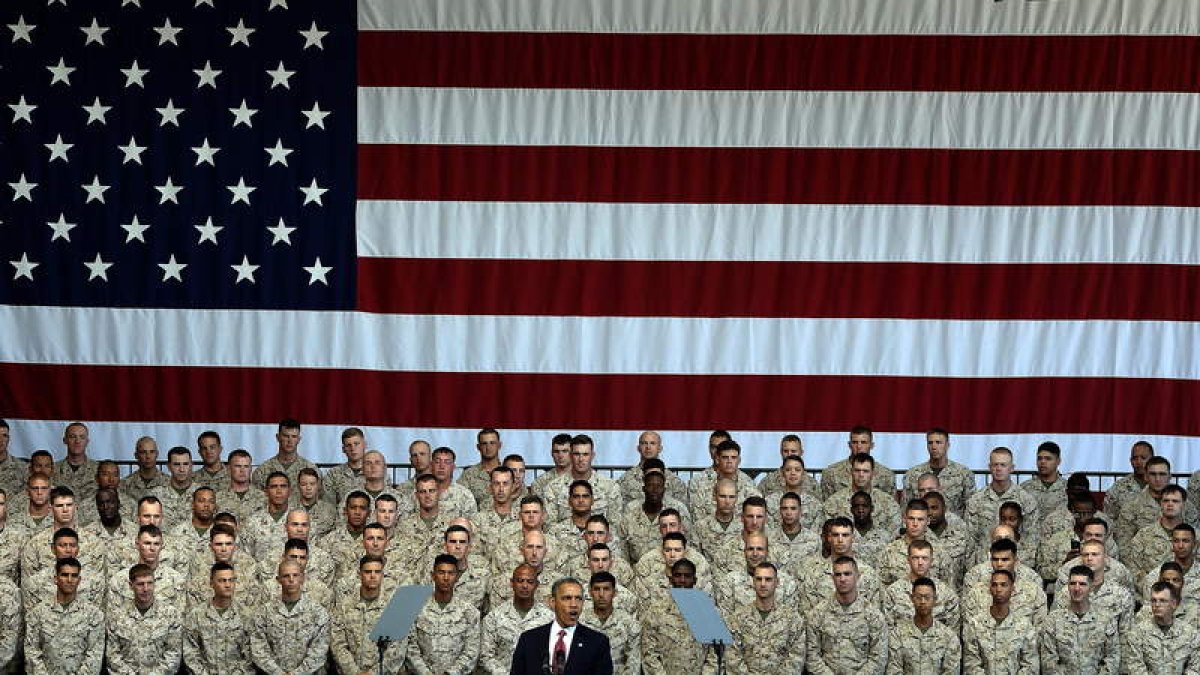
{"points": [[563, 646]]}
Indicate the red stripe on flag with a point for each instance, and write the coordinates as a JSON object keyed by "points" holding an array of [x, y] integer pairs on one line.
{"points": [[778, 289], [766, 62], [554, 401], [779, 175]]}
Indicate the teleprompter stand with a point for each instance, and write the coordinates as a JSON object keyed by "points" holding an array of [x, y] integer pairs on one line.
{"points": [[398, 617], [704, 621]]}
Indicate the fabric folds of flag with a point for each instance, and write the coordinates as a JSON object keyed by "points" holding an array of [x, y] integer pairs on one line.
{"points": [[772, 216]]}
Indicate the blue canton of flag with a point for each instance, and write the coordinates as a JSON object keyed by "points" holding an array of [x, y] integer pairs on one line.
{"points": [[171, 153]]}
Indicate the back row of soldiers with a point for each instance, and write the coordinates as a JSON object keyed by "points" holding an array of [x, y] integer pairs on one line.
{"points": [[300, 564]]}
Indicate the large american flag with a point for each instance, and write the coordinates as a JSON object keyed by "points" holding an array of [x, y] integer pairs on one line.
{"points": [[423, 217]]}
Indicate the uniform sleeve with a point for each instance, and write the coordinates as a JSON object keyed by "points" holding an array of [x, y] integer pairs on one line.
{"points": [[1111, 657], [318, 647], [172, 654], [972, 659], [1048, 648], [953, 660], [12, 630], [879, 645], [35, 659], [1029, 661], [633, 651], [344, 651], [490, 661], [260, 648], [468, 656], [816, 660], [895, 654], [192, 653]]}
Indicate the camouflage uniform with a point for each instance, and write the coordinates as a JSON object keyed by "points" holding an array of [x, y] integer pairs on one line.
{"points": [[846, 638], [983, 509], [148, 642], [624, 633], [444, 639], [216, 642], [812, 511], [133, 487], [13, 472], [1108, 601], [354, 618], [476, 480], [1120, 492], [544, 479], [187, 541], [1054, 547], [606, 496], [892, 560], [259, 477], [898, 607], [1142, 510], [933, 651], [957, 481], [500, 588], [700, 492], [81, 479], [12, 619], [707, 533], [1148, 549], [38, 587], [869, 543], [1007, 647], [790, 550], [242, 504], [1028, 601], [198, 592], [625, 599], [630, 484], [218, 480], [12, 537], [667, 644], [499, 633], [735, 589], [767, 642], [1155, 651], [454, 502], [1079, 643], [1114, 572], [772, 484], [66, 640], [176, 504], [290, 640], [340, 481], [640, 532], [322, 516], [488, 524], [263, 535], [651, 570], [110, 550], [1049, 497], [836, 477], [415, 537], [816, 584], [170, 588], [344, 548]]}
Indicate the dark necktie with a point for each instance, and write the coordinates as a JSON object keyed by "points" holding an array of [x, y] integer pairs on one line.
{"points": [[560, 654]]}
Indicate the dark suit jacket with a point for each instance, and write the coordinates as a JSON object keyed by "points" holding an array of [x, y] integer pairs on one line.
{"points": [[590, 653]]}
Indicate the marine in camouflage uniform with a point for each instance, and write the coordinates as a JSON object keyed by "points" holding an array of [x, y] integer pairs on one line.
{"points": [[999, 645], [354, 617], [769, 633], [12, 470], [506, 621], [12, 536], [144, 638], [64, 635], [1079, 643], [931, 651], [290, 631], [667, 644], [846, 632], [1161, 644], [957, 483], [13, 619], [445, 636]]}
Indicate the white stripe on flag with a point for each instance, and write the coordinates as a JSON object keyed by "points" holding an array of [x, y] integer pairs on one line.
{"points": [[602, 345], [744, 119], [779, 232]]}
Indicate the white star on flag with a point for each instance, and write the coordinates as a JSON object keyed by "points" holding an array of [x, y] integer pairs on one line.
{"points": [[312, 193], [22, 110], [96, 111], [241, 192], [172, 269], [240, 33], [208, 231], [135, 230], [58, 149], [167, 33], [93, 33], [132, 151], [170, 114], [98, 269], [281, 233], [242, 114], [313, 36], [24, 267], [95, 191], [60, 73], [280, 76], [208, 75], [21, 31], [245, 271], [22, 189], [317, 272], [316, 117], [62, 229], [168, 192], [278, 153], [205, 154]]}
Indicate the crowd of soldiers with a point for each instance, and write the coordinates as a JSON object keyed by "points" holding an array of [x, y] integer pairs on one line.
{"points": [[231, 568]]}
